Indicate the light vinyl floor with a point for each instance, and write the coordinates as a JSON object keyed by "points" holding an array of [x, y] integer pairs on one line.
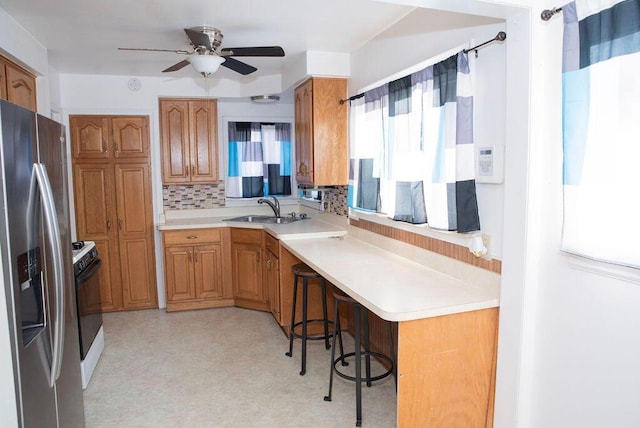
{"points": [[222, 367]]}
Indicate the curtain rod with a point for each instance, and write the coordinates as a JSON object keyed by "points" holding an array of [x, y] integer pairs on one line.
{"points": [[548, 13], [501, 36], [354, 97]]}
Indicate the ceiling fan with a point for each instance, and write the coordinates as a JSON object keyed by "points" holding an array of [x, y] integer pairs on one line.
{"points": [[207, 55]]}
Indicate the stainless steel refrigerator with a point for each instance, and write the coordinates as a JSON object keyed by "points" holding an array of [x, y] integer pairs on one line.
{"points": [[37, 271]]}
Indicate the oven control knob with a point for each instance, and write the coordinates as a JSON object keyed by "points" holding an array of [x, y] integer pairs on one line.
{"points": [[81, 265]]}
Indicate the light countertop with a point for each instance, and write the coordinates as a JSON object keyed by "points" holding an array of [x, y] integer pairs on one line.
{"points": [[393, 287], [308, 228]]}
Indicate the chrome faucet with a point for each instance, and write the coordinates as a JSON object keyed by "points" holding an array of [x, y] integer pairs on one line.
{"points": [[275, 205]]}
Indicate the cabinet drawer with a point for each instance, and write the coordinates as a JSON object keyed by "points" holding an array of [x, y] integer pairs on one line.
{"points": [[272, 244], [191, 236], [248, 236]]}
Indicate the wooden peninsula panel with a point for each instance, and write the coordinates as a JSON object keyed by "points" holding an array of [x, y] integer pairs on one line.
{"points": [[446, 367]]}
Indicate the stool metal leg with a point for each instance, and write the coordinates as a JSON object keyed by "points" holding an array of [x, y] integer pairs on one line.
{"points": [[304, 327], [367, 347], [356, 315], [343, 361], [336, 327], [293, 316], [324, 312]]}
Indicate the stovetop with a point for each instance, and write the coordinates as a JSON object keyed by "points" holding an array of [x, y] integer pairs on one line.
{"points": [[77, 254]]}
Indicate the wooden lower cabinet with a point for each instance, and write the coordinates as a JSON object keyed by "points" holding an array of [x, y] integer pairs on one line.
{"points": [[272, 274], [196, 273], [114, 209], [246, 260]]}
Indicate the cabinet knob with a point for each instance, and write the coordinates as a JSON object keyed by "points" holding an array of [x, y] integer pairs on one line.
{"points": [[108, 224], [195, 255], [193, 237]]}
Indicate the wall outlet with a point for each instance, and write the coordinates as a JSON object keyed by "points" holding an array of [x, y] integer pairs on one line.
{"points": [[486, 241]]}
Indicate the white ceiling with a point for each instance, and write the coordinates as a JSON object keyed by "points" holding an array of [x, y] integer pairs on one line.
{"points": [[82, 36]]}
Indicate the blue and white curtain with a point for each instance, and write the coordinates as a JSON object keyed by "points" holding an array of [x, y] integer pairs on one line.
{"points": [[259, 160], [412, 148], [601, 130]]}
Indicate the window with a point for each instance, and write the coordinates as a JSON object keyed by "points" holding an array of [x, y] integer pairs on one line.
{"points": [[259, 159], [412, 148]]}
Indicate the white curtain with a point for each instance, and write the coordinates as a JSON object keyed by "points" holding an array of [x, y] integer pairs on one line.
{"points": [[412, 151], [601, 130]]}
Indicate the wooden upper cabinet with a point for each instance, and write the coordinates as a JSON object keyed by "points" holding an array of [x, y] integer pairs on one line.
{"points": [[174, 135], [89, 137], [203, 133], [321, 132], [3, 81], [130, 137], [17, 85], [109, 137], [303, 108], [189, 139]]}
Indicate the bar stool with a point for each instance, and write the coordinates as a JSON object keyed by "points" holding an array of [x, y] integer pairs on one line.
{"points": [[303, 271], [358, 312]]}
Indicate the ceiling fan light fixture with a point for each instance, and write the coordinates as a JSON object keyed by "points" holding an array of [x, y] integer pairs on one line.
{"points": [[265, 99], [206, 64]]}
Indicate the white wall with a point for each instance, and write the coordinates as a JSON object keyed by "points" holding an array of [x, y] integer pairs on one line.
{"points": [[585, 348]]}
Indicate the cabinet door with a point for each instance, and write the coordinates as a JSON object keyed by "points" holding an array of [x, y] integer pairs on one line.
{"points": [[203, 136], [130, 137], [89, 137], [272, 267], [21, 87], [304, 132], [179, 277], [174, 137], [3, 80], [247, 272], [329, 124], [96, 221], [135, 229], [207, 262]]}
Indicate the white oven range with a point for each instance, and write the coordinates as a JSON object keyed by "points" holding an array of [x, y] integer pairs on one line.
{"points": [[86, 266]]}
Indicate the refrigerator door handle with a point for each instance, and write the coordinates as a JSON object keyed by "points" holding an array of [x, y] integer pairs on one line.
{"points": [[53, 229]]}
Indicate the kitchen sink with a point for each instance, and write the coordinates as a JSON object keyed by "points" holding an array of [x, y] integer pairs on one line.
{"points": [[251, 218]]}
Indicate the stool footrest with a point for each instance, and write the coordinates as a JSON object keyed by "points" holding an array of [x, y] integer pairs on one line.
{"points": [[362, 355], [319, 336]]}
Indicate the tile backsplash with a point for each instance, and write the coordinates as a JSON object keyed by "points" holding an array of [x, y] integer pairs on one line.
{"points": [[192, 196], [208, 196], [337, 198]]}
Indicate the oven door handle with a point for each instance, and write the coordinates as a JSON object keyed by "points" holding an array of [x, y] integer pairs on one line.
{"points": [[85, 275]]}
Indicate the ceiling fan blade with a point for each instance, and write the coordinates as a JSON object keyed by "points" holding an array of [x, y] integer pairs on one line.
{"points": [[178, 66], [254, 51], [156, 50], [198, 39], [238, 66]]}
